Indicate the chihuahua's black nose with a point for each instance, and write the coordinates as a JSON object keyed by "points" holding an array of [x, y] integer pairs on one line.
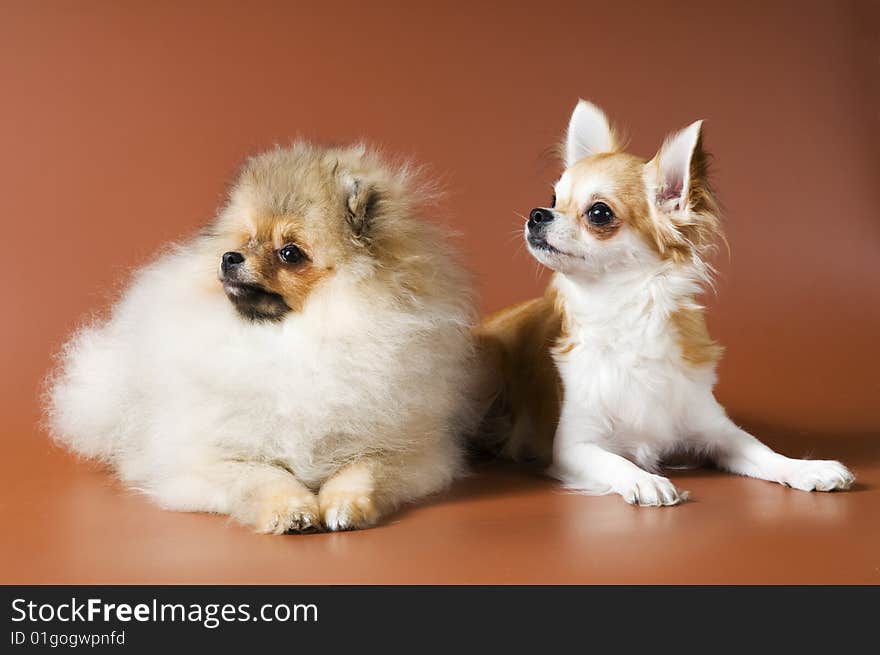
{"points": [[539, 217], [229, 260]]}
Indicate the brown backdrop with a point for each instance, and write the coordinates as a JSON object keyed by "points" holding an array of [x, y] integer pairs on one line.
{"points": [[122, 123]]}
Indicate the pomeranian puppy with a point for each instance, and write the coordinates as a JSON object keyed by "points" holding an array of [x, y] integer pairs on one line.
{"points": [[611, 372], [302, 363]]}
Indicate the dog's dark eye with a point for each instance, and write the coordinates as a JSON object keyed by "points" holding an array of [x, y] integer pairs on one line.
{"points": [[600, 214], [553, 202], [290, 254]]}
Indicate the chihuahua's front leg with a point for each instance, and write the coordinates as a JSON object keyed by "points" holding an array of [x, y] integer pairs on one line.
{"points": [[581, 463], [735, 450]]}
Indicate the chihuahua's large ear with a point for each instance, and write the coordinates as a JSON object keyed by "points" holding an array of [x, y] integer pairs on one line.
{"points": [[361, 201], [589, 132], [680, 169]]}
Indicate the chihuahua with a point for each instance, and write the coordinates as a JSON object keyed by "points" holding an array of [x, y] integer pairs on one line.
{"points": [[611, 372]]}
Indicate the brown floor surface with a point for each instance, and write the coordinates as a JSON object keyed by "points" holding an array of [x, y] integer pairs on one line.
{"points": [[69, 522]]}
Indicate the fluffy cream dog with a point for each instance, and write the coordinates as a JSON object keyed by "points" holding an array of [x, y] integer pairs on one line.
{"points": [[611, 372], [302, 363]]}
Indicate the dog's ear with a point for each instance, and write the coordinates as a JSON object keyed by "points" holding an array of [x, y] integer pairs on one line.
{"points": [[362, 199], [680, 169], [589, 133]]}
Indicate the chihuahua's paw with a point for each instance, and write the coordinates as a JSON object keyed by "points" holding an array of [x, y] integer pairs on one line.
{"points": [[651, 490], [818, 475], [287, 508], [343, 509]]}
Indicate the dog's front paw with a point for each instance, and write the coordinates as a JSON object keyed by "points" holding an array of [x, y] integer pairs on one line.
{"points": [[651, 490], [348, 499], [286, 508], [343, 509], [818, 475]]}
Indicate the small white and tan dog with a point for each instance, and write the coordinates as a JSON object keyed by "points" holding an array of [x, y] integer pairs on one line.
{"points": [[612, 371]]}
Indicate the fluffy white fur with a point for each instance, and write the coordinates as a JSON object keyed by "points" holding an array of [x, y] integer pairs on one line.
{"points": [[630, 397], [332, 416]]}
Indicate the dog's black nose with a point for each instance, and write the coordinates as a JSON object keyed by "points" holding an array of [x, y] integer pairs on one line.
{"points": [[540, 216], [230, 259]]}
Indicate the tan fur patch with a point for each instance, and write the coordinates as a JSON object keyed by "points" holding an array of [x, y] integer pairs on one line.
{"points": [[677, 237], [697, 347], [295, 286], [518, 344], [627, 199], [564, 343]]}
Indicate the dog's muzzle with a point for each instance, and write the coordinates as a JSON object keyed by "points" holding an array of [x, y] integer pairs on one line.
{"points": [[251, 300]]}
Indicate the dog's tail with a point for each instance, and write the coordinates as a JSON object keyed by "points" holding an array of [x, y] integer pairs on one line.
{"points": [[85, 398]]}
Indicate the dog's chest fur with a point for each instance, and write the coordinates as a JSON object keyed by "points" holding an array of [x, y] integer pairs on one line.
{"points": [[621, 363], [305, 389]]}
